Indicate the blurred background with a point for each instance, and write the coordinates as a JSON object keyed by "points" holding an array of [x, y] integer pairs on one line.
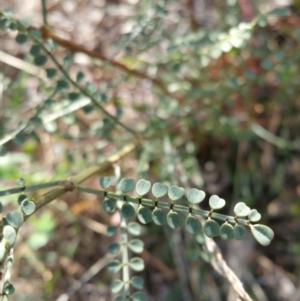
{"points": [[214, 88]]}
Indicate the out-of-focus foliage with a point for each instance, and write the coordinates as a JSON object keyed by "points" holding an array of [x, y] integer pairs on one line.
{"points": [[211, 91]]}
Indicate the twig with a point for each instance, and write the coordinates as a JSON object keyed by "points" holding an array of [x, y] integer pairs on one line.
{"points": [[91, 272]]}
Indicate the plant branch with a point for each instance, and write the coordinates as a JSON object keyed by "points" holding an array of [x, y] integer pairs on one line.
{"points": [[82, 176], [46, 33]]}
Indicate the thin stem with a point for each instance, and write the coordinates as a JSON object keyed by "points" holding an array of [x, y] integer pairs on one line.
{"points": [[84, 92], [28, 188], [165, 205], [44, 11]]}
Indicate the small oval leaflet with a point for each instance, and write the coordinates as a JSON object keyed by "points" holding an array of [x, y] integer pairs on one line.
{"points": [[254, 216], [21, 38], [195, 196], [159, 216], [239, 232], [262, 234], [175, 192], [109, 205], [211, 228], [175, 220], [105, 182], [9, 234], [139, 296], [142, 187], [127, 211], [51, 72], [114, 248], [134, 228], [35, 50], [126, 185], [192, 224], [119, 298], [8, 289], [216, 203], [21, 198], [159, 190], [137, 282], [15, 218], [144, 215], [111, 230], [20, 182], [116, 286], [40, 60], [226, 231], [241, 209], [114, 266], [136, 245], [137, 264], [27, 207]]}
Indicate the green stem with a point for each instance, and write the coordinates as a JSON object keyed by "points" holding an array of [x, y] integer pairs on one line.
{"points": [[44, 11], [164, 205], [28, 188]]}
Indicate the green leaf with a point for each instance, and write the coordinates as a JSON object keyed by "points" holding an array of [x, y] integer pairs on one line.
{"points": [[111, 230], [144, 215], [21, 38], [126, 185], [109, 205], [136, 245], [136, 264], [40, 60], [116, 286], [127, 211], [105, 182], [119, 298], [139, 296], [114, 248], [175, 220], [68, 61], [10, 234], [216, 203], [195, 196], [175, 192], [4, 23], [159, 190], [226, 231], [62, 85], [192, 224], [211, 228], [21, 198], [239, 232], [73, 96], [51, 72], [27, 207], [15, 219], [134, 228], [241, 209], [79, 76], [137, 282], [35, 50], [8, 289], [21, 182], [114, 266], [159, 216], [142, 187], [254, 216], [280, 12], [262, 234], [36, 33]]}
